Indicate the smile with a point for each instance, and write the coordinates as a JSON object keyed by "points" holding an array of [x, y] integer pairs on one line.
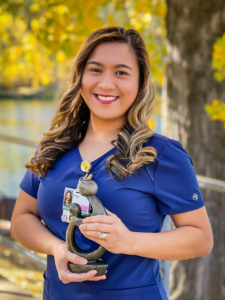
{"points": [[105, 100]]}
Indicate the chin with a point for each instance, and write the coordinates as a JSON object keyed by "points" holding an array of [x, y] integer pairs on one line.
{"points": [[106, 115]]}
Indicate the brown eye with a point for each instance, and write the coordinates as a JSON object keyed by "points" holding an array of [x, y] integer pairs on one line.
{"points": [[95, 69], [122, 72]]}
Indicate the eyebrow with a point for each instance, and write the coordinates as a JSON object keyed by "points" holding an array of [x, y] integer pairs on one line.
{"points": [[116, 66]]}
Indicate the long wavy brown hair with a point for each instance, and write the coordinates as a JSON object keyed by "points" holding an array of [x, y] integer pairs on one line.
{"points": [[69, 126]]}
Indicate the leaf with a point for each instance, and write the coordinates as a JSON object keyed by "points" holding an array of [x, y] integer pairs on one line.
{"points": [[216, 110], [218, 58]]}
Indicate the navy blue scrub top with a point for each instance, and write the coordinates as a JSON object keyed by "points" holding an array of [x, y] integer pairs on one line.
{"points": [[166, 187]]}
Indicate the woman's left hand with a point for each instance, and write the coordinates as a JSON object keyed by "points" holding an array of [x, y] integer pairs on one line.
{"points": [[118, 237]]}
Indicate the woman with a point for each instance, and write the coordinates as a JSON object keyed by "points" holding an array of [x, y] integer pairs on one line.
{"points": [[144, 177], [68, 199]]}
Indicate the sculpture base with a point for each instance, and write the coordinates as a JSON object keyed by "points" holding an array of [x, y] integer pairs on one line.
{"points": [[99, 265]]}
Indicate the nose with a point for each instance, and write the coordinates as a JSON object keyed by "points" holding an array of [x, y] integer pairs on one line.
{"points": [[106, 83]]}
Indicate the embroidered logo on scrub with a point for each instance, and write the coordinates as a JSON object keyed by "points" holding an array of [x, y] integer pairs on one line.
{"points": [[195, 197]]}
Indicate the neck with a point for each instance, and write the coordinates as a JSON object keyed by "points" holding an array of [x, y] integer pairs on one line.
{"points": [[104, 129]]}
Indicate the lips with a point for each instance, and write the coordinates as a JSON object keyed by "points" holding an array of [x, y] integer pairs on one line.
{"points": [[105, 101]]}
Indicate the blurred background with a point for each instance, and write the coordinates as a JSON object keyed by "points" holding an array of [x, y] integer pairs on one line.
{"points": [[186, 45]]}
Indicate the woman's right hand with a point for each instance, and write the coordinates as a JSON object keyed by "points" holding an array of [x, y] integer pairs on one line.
{"points": [[62, 256]]}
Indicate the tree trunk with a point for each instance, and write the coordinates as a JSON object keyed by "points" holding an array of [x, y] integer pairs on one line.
{"points": [[192, 28]]}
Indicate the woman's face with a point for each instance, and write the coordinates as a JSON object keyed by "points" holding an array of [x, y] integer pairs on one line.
{"points": [[111, 70], [67, 197]]}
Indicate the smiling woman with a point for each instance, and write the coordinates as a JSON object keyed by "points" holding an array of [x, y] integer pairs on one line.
{"points": [[141, 179]]}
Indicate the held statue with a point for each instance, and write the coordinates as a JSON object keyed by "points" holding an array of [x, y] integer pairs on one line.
{"points": [[87, 188]]}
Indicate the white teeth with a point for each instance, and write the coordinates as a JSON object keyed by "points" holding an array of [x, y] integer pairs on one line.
{"points": [[106, 98]]}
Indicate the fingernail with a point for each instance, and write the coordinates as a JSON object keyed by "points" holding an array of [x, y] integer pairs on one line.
{"points": [[83, 261]]}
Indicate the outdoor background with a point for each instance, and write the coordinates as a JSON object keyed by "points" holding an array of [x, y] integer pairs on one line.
{"points": [[186, 45]]}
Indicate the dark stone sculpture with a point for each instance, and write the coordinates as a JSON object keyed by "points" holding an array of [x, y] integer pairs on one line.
{"points": [[87, 188]]}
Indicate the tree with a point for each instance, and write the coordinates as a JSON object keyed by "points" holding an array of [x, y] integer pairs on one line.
{"points": [[192, 29]]}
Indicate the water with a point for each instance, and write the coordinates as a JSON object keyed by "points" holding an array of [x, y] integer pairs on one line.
{"points": [[26, 119]]}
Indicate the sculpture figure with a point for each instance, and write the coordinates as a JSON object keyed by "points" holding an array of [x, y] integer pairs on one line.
{"points": [[87, 188]]}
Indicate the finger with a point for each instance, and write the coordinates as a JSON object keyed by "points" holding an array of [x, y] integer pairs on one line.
{"points": [[76, 259], [99, 219], [68, 276], [96, 278], [96, 227], [94, 235]]}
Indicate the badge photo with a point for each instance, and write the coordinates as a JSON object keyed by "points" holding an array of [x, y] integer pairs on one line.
{"points": [[67, 199]]}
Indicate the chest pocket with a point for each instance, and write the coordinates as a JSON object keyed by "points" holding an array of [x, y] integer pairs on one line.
{"points": [[139, 293]]}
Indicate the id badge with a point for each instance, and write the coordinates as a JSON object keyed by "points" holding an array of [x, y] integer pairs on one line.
{"points": [[73, 196]]}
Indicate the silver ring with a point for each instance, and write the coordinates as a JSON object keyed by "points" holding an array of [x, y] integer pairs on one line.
{"points": [[102, 236]]}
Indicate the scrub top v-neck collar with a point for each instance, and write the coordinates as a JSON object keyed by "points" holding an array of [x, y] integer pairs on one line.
{"points": [[96, 161]]}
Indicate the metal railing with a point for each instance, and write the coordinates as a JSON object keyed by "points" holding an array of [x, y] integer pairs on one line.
{"points": [[17, 140], [13, 245], [211, 184]]}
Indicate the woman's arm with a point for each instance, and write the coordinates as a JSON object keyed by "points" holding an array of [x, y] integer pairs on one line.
{"points": [[27, 228], [191, 238]]}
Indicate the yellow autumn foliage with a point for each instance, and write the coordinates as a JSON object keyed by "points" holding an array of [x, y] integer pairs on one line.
{"points": [[40, 39], [218, 55], [216, 110]]}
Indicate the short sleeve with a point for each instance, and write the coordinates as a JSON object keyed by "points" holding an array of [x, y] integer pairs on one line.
{"points": [[30, 182], [176, 185]]}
